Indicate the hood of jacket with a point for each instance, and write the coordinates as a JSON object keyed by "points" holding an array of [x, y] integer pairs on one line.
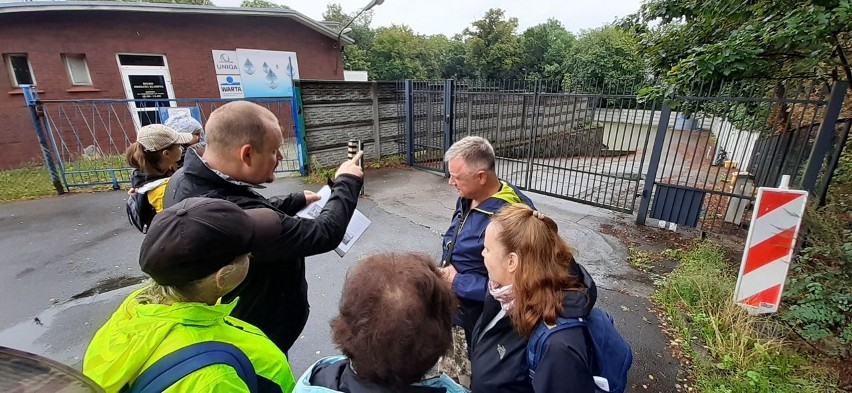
{"points": [[578, 304], [508, 194], [123, 347], [333, 374]]}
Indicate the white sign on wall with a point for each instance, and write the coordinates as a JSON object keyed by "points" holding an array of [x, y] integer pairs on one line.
{"points": [[230, 86], [226, 62]]}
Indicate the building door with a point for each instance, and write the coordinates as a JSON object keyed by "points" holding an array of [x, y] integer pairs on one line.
{"points": [[147, 82]]}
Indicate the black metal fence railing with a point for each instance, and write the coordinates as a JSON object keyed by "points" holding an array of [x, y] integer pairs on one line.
{"points": [[691, 160]]}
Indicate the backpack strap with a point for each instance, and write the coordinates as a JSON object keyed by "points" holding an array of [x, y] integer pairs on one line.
{"points": [[541, 333], [177, 365]]}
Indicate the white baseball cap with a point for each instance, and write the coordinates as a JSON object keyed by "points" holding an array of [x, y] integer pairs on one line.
{"points": [[154, 137]]}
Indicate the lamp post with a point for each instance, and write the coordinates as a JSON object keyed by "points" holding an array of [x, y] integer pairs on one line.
{"points": [[369, 6]]}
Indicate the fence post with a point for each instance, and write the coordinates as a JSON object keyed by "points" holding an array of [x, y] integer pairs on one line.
{"points": [[822, 142], [299, 126], [409, 121], [654, 163], [377, 129], [31, 98], [449, 117], [533, 133]]}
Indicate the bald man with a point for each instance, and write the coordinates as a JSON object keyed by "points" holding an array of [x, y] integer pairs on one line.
{"points": [[242, 152]]}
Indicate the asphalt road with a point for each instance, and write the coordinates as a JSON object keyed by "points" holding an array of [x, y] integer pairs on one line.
{"points": [[70, 260]]}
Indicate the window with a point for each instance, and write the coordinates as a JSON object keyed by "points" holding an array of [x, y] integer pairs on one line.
{"points": [[78, 69], [141, 60], [20, 71]]}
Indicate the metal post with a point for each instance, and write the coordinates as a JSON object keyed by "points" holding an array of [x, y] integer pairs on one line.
{"points": [[409, 122], [377, 129], [31, 98], [299, 126], [822, 143], [833, 162], [654, 164], [533, 133], [449, 117]]}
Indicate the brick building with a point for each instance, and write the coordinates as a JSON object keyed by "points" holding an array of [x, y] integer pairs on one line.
{"points": [[88, 50]]}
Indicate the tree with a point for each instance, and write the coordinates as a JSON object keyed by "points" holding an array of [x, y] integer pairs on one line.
{"points": [[546, 51], [261, 4], [354, 57], [455, 64], [493, 48], [396, 53], [759, 39], [608, 56]]}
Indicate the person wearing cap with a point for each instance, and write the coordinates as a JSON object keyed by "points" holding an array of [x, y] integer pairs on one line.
{"points": [[195, 252], [155, 156], [185, 124], [242, 152]]}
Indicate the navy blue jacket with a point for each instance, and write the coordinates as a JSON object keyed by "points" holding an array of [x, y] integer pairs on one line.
{"points": [[472, 278], [499, 355]]}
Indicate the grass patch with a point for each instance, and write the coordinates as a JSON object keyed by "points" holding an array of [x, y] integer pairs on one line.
{"points": [[30, 182], [738, 352], [318, 175]]}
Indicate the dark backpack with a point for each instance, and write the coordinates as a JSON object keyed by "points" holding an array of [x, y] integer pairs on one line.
{"points": [[140, 213], [611, 354], [176, 365]]}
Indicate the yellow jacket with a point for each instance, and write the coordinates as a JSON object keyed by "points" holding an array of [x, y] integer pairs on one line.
{"points": [[137, 335]]}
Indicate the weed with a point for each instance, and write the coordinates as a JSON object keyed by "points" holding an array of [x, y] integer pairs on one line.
{"points": [[746, 353]]}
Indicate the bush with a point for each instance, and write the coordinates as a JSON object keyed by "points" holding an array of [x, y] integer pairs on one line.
{"points": [[817, 291], [745, 353]]}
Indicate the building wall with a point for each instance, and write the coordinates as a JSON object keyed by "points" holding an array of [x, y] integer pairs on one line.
{"points": [[185, 40]]}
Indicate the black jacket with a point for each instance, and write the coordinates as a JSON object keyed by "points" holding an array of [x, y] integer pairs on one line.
{"points": [[274, 295], [499, 355]]}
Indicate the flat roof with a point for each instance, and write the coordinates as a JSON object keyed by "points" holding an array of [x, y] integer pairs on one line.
{"points": [[166, 8]]}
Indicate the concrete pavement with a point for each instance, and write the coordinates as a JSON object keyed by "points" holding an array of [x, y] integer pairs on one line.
{"points": [[59, 253]]}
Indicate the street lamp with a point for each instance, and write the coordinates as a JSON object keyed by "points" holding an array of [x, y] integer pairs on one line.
{"points": [[369, 6]]}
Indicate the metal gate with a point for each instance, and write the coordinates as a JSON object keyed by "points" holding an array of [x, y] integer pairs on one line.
{"points": [[427, 124], [695, 161], [84, 140]]}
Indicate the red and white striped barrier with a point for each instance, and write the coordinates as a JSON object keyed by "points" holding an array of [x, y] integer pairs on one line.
{"points": [[769, 247]]}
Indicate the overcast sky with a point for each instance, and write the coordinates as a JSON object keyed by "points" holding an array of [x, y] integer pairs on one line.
{"points": [[452, 16]]}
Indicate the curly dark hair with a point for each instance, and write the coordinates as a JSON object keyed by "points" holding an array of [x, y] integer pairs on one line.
{"points": [[395, 318]]}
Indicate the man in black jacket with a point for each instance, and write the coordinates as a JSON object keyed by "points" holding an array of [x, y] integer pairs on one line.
{"points": [[242, 151]]}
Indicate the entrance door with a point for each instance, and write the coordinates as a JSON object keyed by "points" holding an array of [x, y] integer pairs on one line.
{"points": [[147, 81]]}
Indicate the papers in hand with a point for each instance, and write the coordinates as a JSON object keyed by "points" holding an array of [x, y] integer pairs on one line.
{"points": [[356, 228]]}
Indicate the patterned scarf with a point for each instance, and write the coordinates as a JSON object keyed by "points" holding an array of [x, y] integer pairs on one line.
{"points": [[505, 295]]}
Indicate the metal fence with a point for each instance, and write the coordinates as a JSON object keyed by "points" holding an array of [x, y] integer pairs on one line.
{"points": [[693, 161], [86, 139]]}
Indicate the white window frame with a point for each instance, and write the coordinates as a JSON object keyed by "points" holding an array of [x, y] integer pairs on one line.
{"points": [[81, 56], [12, 78]]}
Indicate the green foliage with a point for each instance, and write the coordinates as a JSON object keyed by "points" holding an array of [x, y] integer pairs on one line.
{"points": [[818, 291], [735, 40], [745, 352], [493, 48], [355, 57], [397, 53], [609, 56], [261, 4], [546, 50]]}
